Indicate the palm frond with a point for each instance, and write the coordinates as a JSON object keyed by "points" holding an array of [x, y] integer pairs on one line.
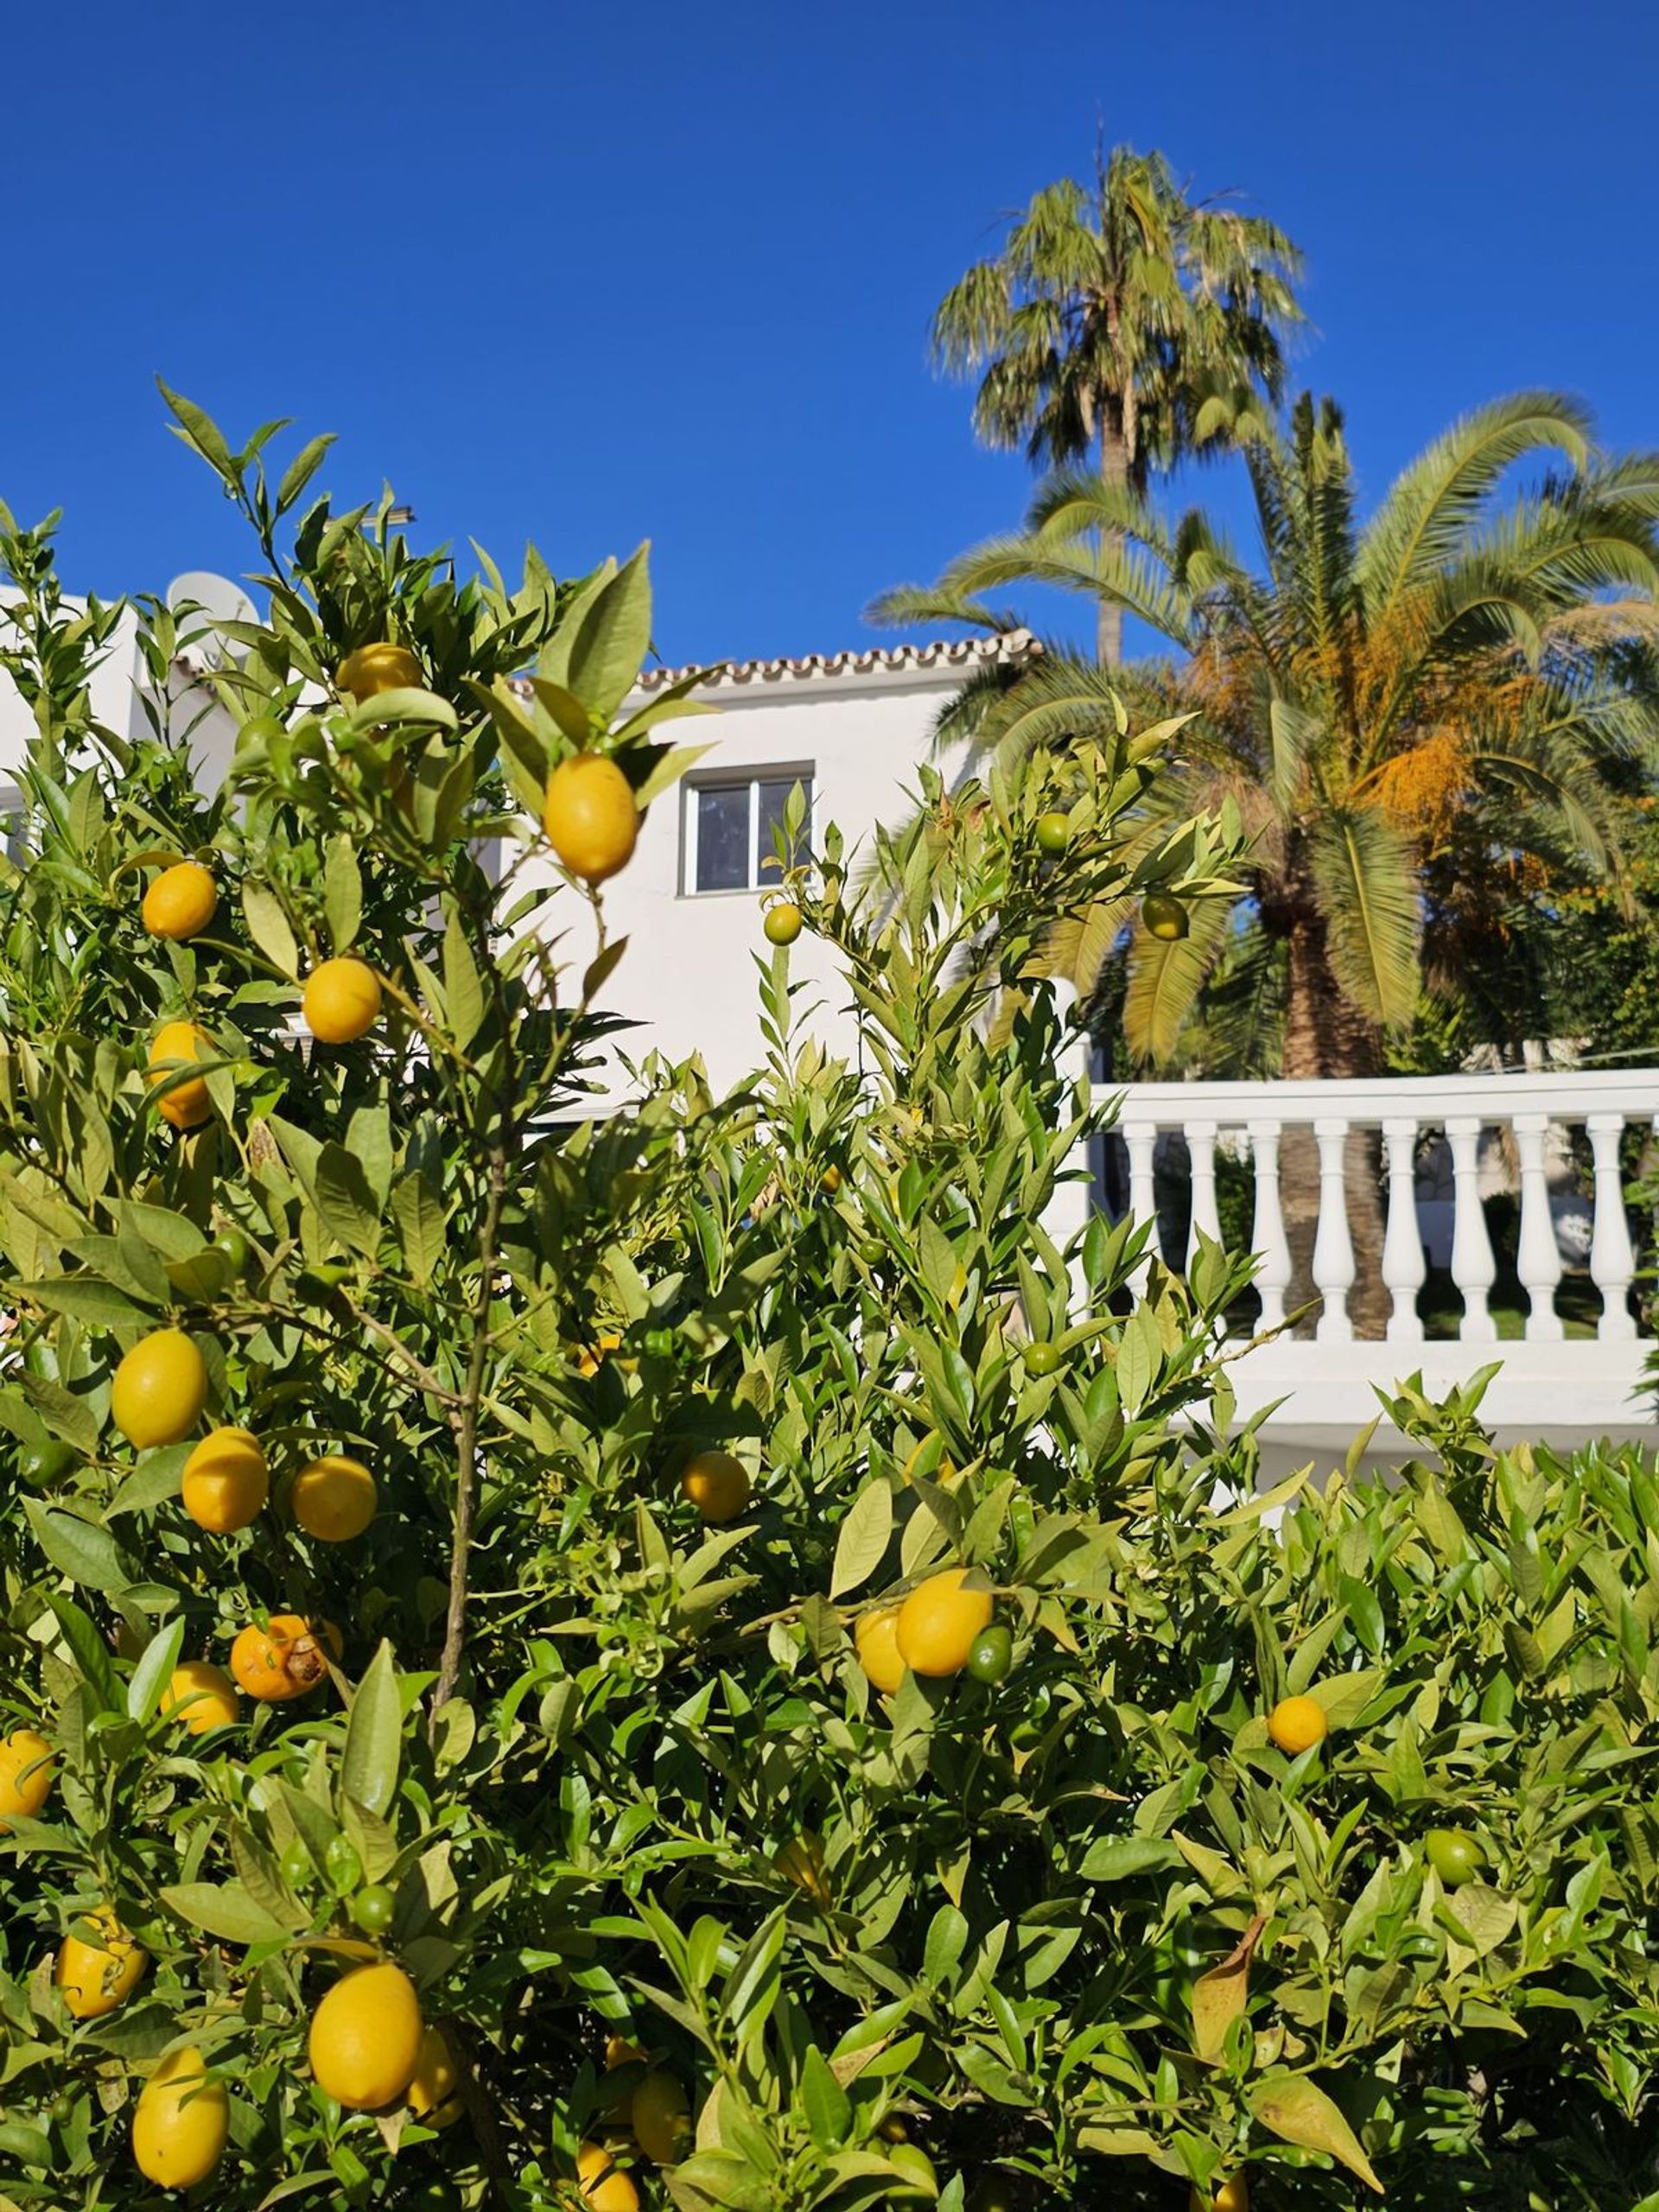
{"points": [[1364, 876], [1166, 977], [908, 606]]}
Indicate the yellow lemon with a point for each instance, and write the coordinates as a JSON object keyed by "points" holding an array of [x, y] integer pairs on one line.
{"points": [[604, 2186], [181, 2122], [226, 1481], [202, 1695], [96, 1977], [186, 1104], [938, 1621], [1296, 1723], [661, 2117], [160, 1390], [1232, 2196], [180, 902], [365, 2037], [876, 1640], [334, 1498], [590, 818], [341, 1000], [25, 1774], [431, 2092], [377, 668], [717, 1484]]}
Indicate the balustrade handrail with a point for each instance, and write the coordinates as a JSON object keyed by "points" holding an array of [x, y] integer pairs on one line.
{"points": [[1565, 1094]]}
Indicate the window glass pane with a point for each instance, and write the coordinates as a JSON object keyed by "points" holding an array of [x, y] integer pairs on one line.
{"points": [[723, 837], [774, 797]]}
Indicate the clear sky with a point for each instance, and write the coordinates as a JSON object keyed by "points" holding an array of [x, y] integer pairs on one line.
{"points": [[586, 275]]}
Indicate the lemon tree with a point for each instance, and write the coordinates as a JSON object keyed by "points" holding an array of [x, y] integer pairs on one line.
{"points": [[578, 1651]]}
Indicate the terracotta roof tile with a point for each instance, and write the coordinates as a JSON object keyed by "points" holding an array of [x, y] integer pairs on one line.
{"points": [[956, 655]]}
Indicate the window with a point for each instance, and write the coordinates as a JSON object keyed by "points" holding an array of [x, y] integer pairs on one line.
{"points": [[731, 827]]}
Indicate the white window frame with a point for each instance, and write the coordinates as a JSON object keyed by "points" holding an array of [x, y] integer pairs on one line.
{"points": [[804, 772]]}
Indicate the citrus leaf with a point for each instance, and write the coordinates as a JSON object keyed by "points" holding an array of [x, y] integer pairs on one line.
{"points": [[368, 1765], [88, 1298], [1297, 2111], [1119, 1857], [865, 1535], [154, 1671], [268, 926], [1223, 1995], [342, 893], [225, 1910], [85, 1553]]}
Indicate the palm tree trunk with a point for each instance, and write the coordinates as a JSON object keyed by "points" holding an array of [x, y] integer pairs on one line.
{"points": [[1325, 1037], [1114, 471]]}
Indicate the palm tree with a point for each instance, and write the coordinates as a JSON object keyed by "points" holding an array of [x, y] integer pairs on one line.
{"points": [[1129, 322], [1411, 716]]}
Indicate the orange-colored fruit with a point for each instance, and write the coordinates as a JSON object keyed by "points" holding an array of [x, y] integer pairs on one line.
{"points": [[334, 1498], [285, 1660], [25, 1775], [590, 818], [603, 2184], [938, 1621], [431, 2091], [365, 2037], [226, 1481], [377, 668], [180, 902], [716, 1483], [661, 2117], [186, 1103], [876, 1639], [1296, 1723], [341, 1000], [202, 1695], [95, 1978], [1232, 2196], [160, 1389], [181, 2122]]}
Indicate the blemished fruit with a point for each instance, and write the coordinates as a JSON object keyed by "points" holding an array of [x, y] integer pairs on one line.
{"points": [[1296, 1723], [717, 1484], [202, 1696], [181, 2122], [226, 1481], [283, 1661], [180, 902], [938, 1622], [185, 1103], [661, 2116], [94, 1978], [365, 2037], [378, 667], [1456, 1856], [1053, 833], [1232, 2196], [374, 1909], [876, 1640], [25, 1775], [1164, 915], [431, 2092], [991, 1654], [159, 1391], [334, 1498], [801, 1861], [590, 818], [603, 2184], [341, 1000], [1040, 1359], [782, 925]]}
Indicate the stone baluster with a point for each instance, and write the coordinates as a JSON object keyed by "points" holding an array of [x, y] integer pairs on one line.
{"points": [[1538, 1257], [1267, 1237], [1612, 1263], [1201, 1151], [1140, 1139], [1474, 1268], [1333, 1245], [1403, 1264]]}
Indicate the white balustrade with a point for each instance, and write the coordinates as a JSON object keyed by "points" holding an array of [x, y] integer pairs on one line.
{"points": [[1554, 1378]]}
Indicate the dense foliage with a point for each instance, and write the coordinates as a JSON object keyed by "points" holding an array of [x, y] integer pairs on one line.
{"points": [[588, 1762]]}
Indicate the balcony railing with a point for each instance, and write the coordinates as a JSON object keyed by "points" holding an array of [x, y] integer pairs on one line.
{"points": [[1552, 1143]]}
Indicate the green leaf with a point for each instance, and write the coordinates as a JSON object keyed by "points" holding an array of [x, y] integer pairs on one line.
{"points": [[197, 428], [345, 1201], [463, 993], [864, 1537], [826, 2105], [300, 471], [421, 1226], [268, 926], [342, 893], [224, 1910], [368, 1766], [89, 1299], [154, 1671], [1297, 2111], [612, 639], [85, 1553], [91, 1653], [1120, 1858]]}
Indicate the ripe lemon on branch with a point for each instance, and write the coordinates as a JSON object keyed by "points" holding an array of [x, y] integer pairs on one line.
{"points": [[180, 902], [590, 818]]}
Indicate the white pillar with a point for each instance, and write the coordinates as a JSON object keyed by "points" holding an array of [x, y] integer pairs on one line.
{"points": [[1474, 1268], [1403, 1264], [1612, 1263], [1268, 1236], [1201, 1151], [1333, 1246], [1538, 1257], [1141, 1138]]}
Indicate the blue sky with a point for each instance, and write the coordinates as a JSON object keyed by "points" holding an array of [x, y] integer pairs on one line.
{"points": [[586, 276]]}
